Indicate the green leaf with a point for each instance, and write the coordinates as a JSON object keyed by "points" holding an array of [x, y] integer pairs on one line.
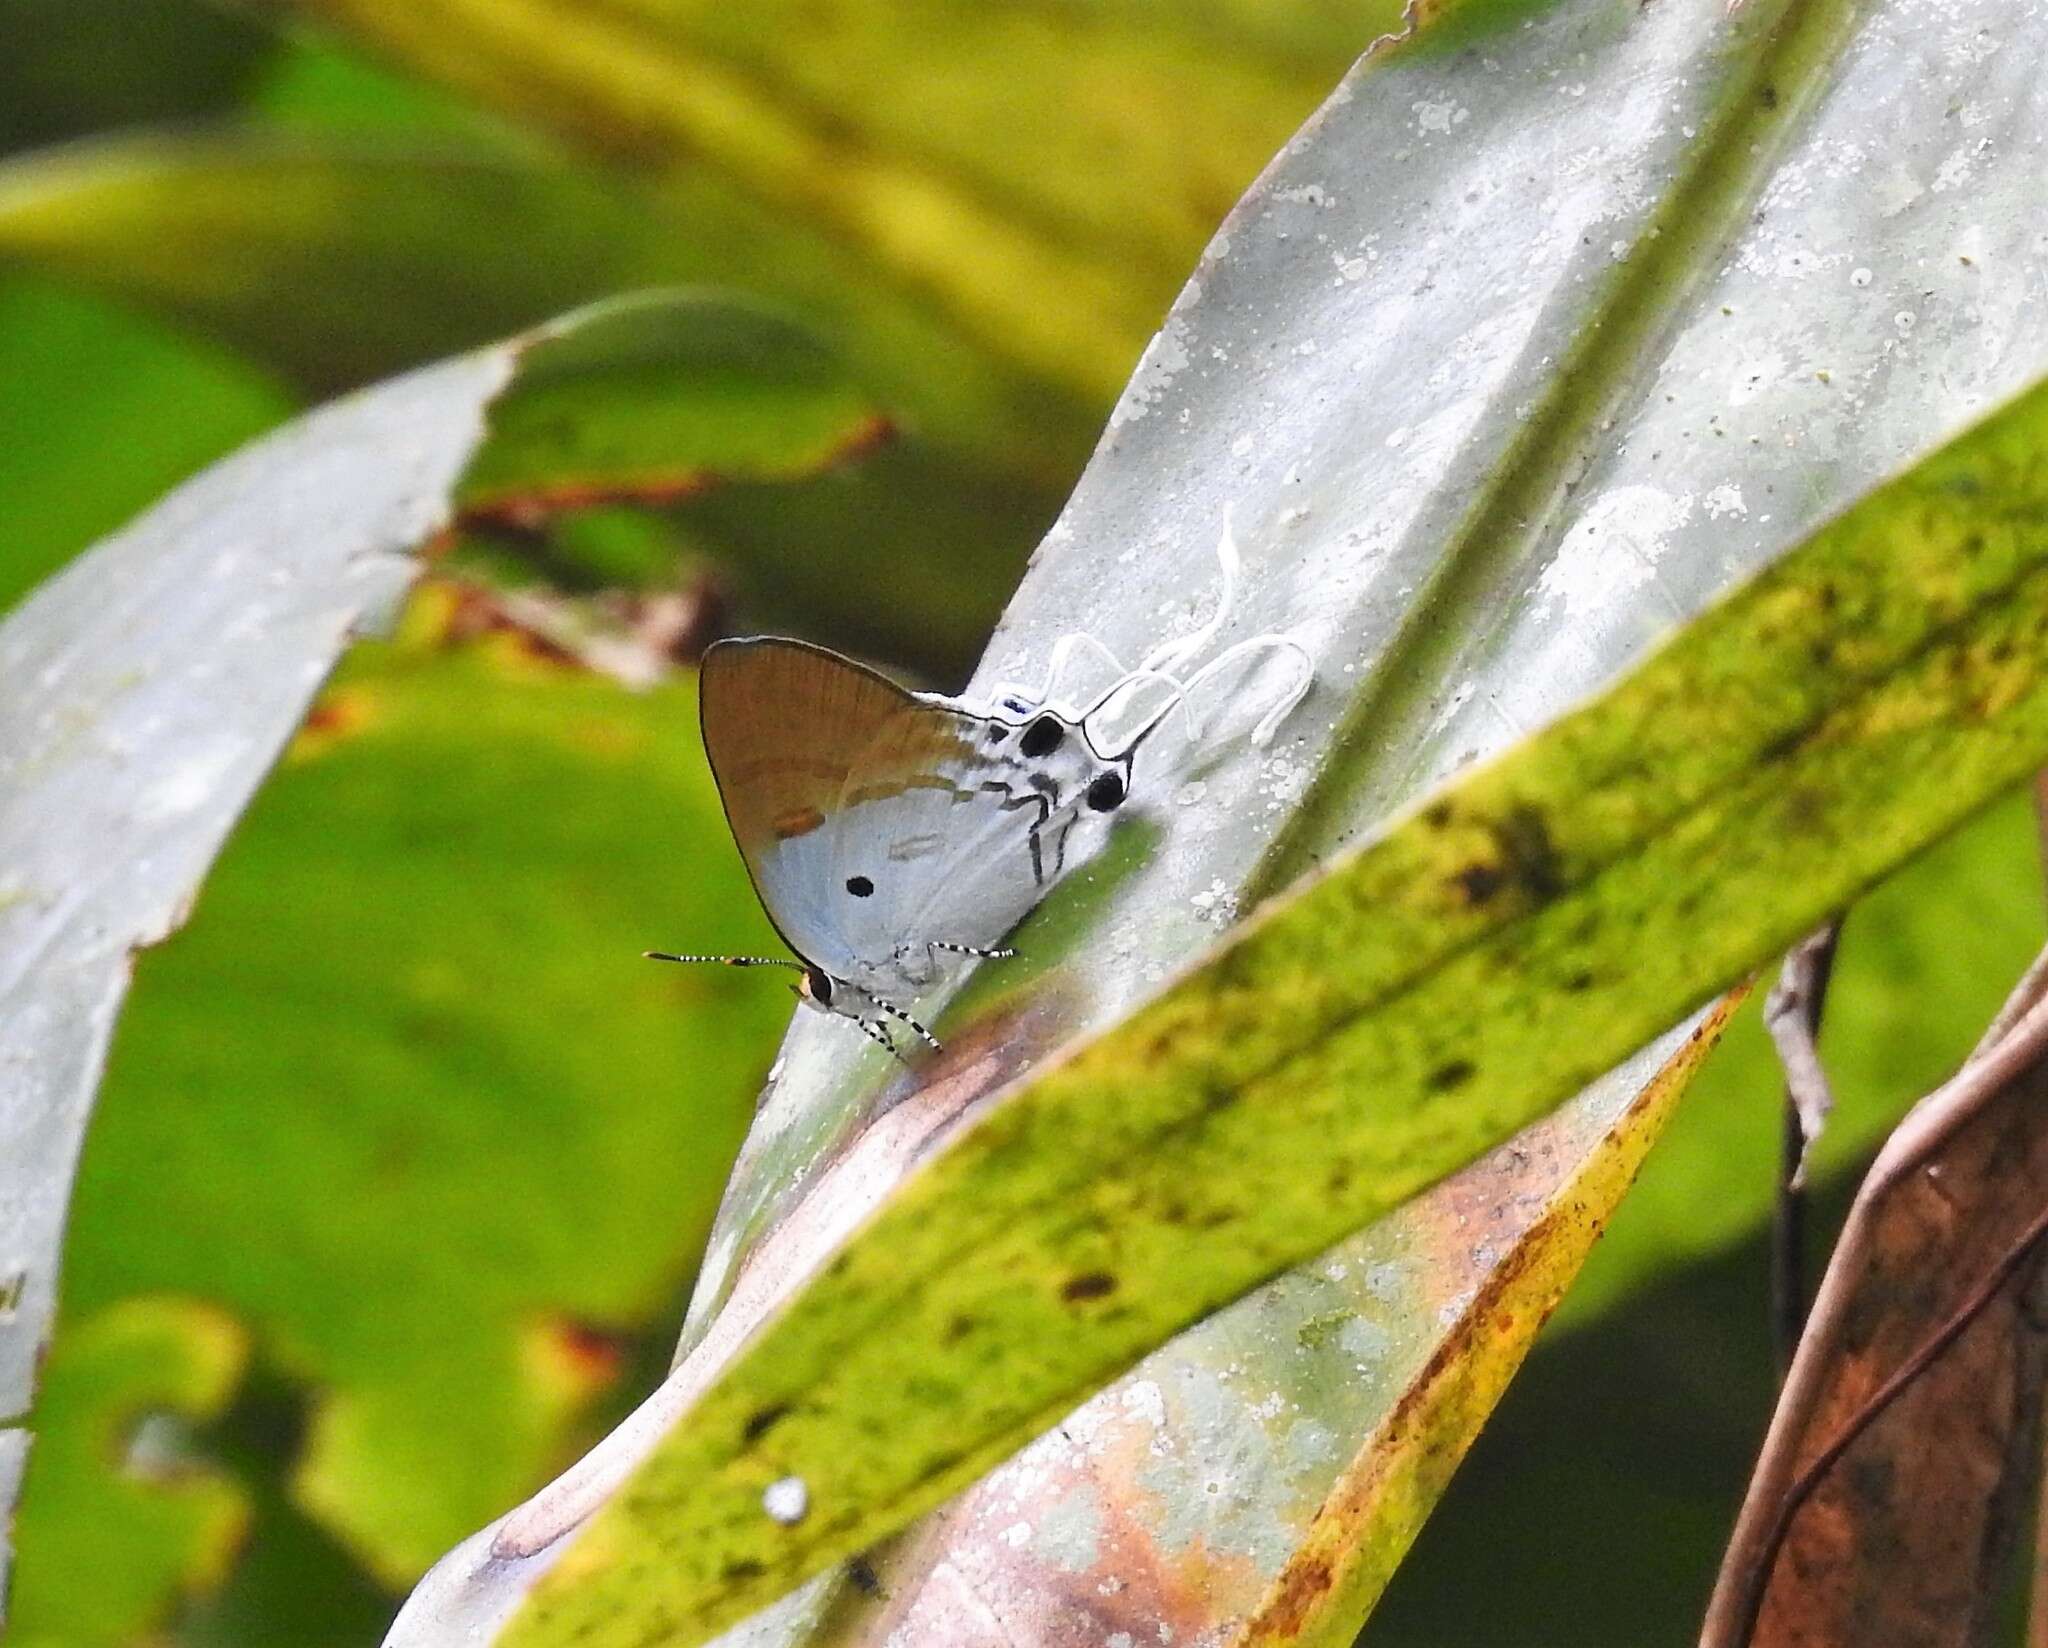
{"points": [[76, 66], [905, 138], [1489, 421], [1523, 930], [124, 1523], [145, 691], [460, 1204], [360, 254], [84, 442], [1925, 961], [355, 255], [656, 399]]}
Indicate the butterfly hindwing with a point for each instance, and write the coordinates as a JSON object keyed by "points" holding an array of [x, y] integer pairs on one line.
{"points": [[875, 822], [957, 857], [816, 755]]}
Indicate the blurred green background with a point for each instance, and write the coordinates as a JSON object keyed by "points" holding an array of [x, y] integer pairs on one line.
{"points": [[405, 1159]]}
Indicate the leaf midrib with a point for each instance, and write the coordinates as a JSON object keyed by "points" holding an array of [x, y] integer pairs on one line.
{"points": [[1696, 220]]}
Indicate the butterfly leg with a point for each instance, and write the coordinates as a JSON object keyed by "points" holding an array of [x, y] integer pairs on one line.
{"points": [[896, 1012], [880, 1037], [933, 948]]}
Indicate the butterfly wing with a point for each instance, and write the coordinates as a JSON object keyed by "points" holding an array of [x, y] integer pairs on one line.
{"points": [[960, 856], [811, 751]]}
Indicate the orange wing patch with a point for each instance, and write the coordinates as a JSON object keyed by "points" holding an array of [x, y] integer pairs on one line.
{"points": [[801, 821]]}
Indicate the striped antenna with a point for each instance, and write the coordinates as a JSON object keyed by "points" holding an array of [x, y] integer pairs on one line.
{"points": [[728, 961]]}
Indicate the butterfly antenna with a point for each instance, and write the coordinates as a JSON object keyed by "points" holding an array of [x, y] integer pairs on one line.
{"points": [[727, 961], [1283, 706]]}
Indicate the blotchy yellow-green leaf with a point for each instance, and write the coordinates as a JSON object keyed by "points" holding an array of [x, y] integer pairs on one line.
{"points": [[1041, 180], [1260, 1478], [121, 1525], [343, 1106], [147, 689], [1515, 1226], [1436, 990]]}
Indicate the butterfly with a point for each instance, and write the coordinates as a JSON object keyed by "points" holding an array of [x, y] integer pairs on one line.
{"points": [[893, 836]]}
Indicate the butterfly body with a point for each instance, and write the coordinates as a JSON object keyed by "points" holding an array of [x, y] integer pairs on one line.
{"points": [[895, 836], [891, 835]]}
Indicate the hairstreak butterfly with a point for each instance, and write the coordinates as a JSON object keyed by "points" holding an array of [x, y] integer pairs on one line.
{"points": [[894, 836]]}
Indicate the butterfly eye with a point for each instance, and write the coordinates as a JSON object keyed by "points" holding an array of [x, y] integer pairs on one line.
{"points": [[818, 986], [1106, 793], [1042, 737], [859, 886]]}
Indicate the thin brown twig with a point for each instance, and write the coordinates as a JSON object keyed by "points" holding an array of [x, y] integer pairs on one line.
{"points": [[1792, 1014], [1738, 1592]]}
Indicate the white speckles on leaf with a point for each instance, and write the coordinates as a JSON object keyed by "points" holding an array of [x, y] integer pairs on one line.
{"points": [[1612, 548], [1165, 358], [1724, 500], [190, 784], [1216, 904], [1070, 1534], [1955, 169], [1143, 1399], [787, 1501]]}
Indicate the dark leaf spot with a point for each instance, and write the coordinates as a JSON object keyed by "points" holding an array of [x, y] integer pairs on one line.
{"points": [[763, 1420], [1532, 858], [1090, 1284], [1480, 881], [1455, 1074]]}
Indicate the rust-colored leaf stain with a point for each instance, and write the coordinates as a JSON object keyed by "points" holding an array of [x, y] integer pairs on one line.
{"points": [[340, 713]]}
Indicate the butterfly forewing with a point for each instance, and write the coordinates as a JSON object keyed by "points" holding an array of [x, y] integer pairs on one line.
{"points": [[809, 748]]}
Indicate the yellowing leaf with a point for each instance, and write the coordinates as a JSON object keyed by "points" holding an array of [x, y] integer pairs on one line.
{"points": [[1383, 1025]]}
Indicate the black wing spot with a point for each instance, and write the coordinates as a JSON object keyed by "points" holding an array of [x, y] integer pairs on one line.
{"points": [[996, 733], [1042, 737], [860, 886], [1106, 793]]}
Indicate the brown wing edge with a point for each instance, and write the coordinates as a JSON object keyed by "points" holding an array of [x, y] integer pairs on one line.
{"points": [[839, 705]]}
